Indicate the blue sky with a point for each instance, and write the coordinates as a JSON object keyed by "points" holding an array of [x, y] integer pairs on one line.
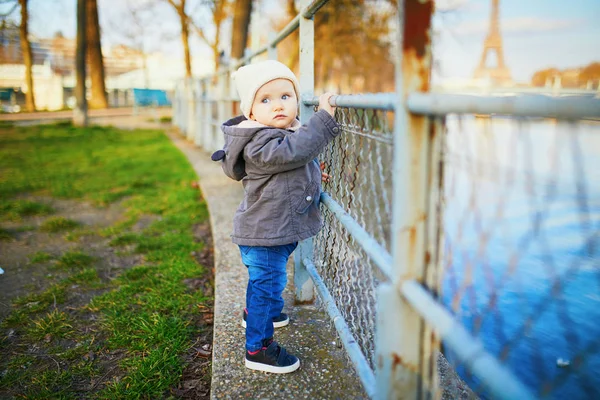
{"points": [[537, 34]]}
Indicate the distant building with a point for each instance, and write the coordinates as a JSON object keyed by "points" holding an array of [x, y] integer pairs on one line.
{"points": [[54, 70]]}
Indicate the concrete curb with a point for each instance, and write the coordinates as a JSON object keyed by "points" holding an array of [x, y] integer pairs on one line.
{"points": [[325, 371]]}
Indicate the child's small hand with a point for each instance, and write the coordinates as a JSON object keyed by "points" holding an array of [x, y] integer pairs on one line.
{"points": [[324, 103], [324, 177]]}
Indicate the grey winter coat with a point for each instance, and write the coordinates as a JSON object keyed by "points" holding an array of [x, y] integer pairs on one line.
{"points": [[281, 178]]}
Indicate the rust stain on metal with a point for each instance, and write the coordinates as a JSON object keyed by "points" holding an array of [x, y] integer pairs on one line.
{"points": [[432, 130], [432, 137], [416, 44], [416, 28], [412, 234], [396, 360], [427, 257], [399, 361]]}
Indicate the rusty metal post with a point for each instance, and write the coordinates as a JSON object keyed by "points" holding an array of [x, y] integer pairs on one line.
{"points": [[405, 347], [302, 280]]}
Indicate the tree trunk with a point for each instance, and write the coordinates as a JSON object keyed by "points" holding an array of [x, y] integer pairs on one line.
{"points": [[94, 51], [215, 47], [185, 33], [241, 22], [294, 58], [80, 117], [27, 56]]}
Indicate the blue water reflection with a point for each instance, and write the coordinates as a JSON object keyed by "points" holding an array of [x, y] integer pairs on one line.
{"points": [[522, 247]]}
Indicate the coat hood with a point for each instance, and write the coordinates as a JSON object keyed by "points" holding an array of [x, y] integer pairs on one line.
{"points": [[238, 132], [232, 155]]}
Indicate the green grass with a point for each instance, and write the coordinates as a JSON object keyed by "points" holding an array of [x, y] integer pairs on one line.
{"points": [[74, 260], [15, 210], [5, 234], [164, 120], [146, 313], [88, 276], [54, 324], [58, 224], [40, 257], [35, 302]]}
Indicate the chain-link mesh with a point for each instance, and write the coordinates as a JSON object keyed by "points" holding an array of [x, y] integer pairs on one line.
{"points": [[359, 162], [522, 253]]}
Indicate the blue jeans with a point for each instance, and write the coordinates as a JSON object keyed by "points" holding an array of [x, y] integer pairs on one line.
{"points": [[266, 280]]}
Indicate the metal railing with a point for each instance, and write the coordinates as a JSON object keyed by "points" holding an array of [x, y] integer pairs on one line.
{"points": [[394, 265]]}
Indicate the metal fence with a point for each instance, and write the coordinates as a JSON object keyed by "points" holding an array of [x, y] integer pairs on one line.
{"points": [[445, 222]]}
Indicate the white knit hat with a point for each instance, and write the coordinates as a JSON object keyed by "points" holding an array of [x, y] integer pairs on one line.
{"points": [[249, 78]]}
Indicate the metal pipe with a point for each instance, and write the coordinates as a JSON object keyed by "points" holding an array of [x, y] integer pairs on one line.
{"points": [[285, 32], [404, 348], [572, 107], [352, 348], [308, 13], [312, 8], [302, 282], [496, 378], [379, 101], [375, 251]]}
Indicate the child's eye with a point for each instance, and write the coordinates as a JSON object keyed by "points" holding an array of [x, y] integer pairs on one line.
{"points": [[264, 101], [285, 96]]}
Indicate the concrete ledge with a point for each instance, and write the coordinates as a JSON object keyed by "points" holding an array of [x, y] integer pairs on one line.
{"points": [[325, 371]]}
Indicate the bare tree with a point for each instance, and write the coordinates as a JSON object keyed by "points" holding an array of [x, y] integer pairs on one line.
{"points": [[241, 22], [137, 28], [184, 21], [94, 53], [219, 10], [137, 34], [27, 56], [80, 117], [352, 41]]}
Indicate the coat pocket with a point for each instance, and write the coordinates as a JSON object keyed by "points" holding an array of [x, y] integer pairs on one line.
{"points": [[309, 197]]}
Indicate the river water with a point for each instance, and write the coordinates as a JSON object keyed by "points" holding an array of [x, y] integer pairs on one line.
{"points": [[522, 247]]}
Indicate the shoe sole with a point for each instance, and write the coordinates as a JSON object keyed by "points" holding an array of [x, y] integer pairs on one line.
{"points": [[277, 324], [271, 368]]}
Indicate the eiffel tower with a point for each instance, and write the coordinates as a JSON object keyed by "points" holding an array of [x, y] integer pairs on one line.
{"points": [[493, 42]]}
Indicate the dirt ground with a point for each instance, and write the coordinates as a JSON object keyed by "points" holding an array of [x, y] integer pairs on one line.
{"points": [[22, 277]]}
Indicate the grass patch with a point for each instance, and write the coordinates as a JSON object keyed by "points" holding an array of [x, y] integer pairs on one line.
{"points": [[58, 224], [40, 257], [75, 235], [74, 260], [149, 316], [88, 277], [36, 302], [5, 234], [55, 324], [124, 239], [15, 210], [165, 120]]}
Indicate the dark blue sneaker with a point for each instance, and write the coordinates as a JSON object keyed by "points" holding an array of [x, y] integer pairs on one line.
{"points": [[278, 322], [272, 358]]}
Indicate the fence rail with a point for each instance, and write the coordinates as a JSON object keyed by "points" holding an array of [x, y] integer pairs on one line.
{"points": [[384, 246]]}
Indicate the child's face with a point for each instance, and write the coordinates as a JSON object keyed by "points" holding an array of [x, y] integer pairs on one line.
{"points": [[275, 104]]}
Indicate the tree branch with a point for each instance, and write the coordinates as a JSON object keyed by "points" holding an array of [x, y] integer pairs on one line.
{"points": [[200, 32], [10, 12]]}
